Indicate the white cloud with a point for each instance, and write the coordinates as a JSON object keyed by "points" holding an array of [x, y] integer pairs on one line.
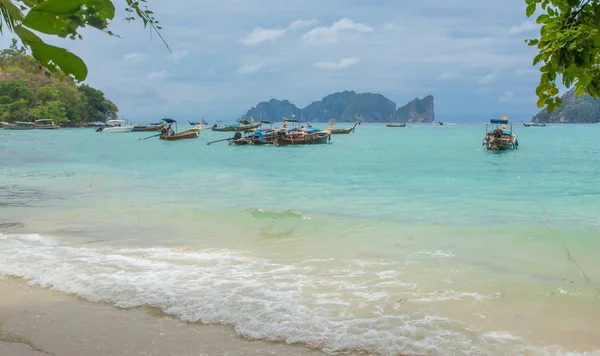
{"points": [[177, 55], [342, 64], [526, 71], [524, 26], [134, 57], [330, 34], [156, 75], [260, 35], [487, 79], [449, 75], [300, 24], [507, 97], [250, 67]]}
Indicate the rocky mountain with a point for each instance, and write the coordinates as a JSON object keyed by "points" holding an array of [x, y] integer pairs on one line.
{"points": [[573, 110], [417, 110], [347, 106]]}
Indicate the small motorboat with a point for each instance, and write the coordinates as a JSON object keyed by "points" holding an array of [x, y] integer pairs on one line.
{"points": [[499, 137], [116, 126], [395, 125]]}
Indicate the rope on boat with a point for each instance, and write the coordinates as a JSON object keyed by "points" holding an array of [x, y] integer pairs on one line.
{"points": [[569, 255]]}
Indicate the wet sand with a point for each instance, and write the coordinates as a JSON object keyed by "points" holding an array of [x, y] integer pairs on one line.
{"points": [[39, 322]]}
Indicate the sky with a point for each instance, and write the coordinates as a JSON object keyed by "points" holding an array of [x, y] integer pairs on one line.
{"points": [[228, 55]]}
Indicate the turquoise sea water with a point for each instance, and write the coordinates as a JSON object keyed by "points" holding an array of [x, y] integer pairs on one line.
{"points": [[390, 240]]}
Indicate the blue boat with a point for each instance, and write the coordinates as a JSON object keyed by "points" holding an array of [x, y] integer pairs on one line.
{"points": [[499, 136]]}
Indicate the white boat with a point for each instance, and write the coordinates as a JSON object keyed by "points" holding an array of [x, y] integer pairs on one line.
{"points": [[116, 126]]}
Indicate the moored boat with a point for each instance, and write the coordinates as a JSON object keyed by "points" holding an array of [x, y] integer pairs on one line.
{"points": [[45, 124], [344, 131], [303, 137], [395, 125], [19, 125], [241, 126], [534, 124], [168, 134], [499, 137], [116, 126], [148, 127]]}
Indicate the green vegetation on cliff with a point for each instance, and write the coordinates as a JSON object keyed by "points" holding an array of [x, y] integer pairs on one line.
{"points": [[29, 91], [573, 110]]}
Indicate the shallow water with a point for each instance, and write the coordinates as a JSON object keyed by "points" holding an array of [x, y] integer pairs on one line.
{"points": [[407, 240]]}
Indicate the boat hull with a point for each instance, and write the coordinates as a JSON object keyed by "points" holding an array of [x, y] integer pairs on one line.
{"points": [[17, 127], [310, 140], [184, 135], [341, 131], [395, 125], [242, 128], [503, 143], [120, 129], [147, 128]]}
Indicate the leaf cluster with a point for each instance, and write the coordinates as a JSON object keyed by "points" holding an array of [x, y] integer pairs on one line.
{"points": [[568, 48]]}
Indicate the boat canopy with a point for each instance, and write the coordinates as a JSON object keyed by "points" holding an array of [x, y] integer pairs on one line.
{"points": [[43, 120], [169, 121], [116, 121], [499, 121]]}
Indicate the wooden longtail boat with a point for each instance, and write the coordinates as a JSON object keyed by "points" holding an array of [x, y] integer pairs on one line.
{"points": [[168, 134], [534, 124], [395, 125], [148, 127], [499, 138], [344, 131], [19, 125], [241, 126], [45, 124], [304, 137]]}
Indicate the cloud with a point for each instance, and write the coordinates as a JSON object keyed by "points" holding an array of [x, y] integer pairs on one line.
{"points": [[156, 75], [523, 27], [342, 64], [250, 67], [487, 79], [260, 35], [449, 75], [300, 24], [134, 57], [507, 97], [177, 55], [526, 71], [330, 34]]}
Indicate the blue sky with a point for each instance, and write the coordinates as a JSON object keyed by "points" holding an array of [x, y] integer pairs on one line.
{"points": [[230, 54]]}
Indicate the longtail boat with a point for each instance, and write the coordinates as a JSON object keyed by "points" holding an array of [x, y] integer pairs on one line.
{"points": [[148, 127], [303, 137], [395, 125], [534, 124], [45, 124], [19, 125], [344, 131], [241, 126], [168, 134], [499, 137]]}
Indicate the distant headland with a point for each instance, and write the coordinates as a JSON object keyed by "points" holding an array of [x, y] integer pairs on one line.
{"points": [[573, 110], [347, 106]]}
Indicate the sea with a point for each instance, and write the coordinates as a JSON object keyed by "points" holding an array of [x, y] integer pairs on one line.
{"points": [[387, 241]]}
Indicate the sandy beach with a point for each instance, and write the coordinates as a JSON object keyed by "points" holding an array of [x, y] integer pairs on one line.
{"points": [[36, 322]]}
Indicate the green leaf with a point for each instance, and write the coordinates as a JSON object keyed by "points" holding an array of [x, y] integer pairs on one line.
{"points": [[64, 7], [542, 19], [530, 9], [52, 57], [44, 22]]}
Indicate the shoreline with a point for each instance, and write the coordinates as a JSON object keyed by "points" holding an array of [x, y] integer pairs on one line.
{"points": [[36, 321]]}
